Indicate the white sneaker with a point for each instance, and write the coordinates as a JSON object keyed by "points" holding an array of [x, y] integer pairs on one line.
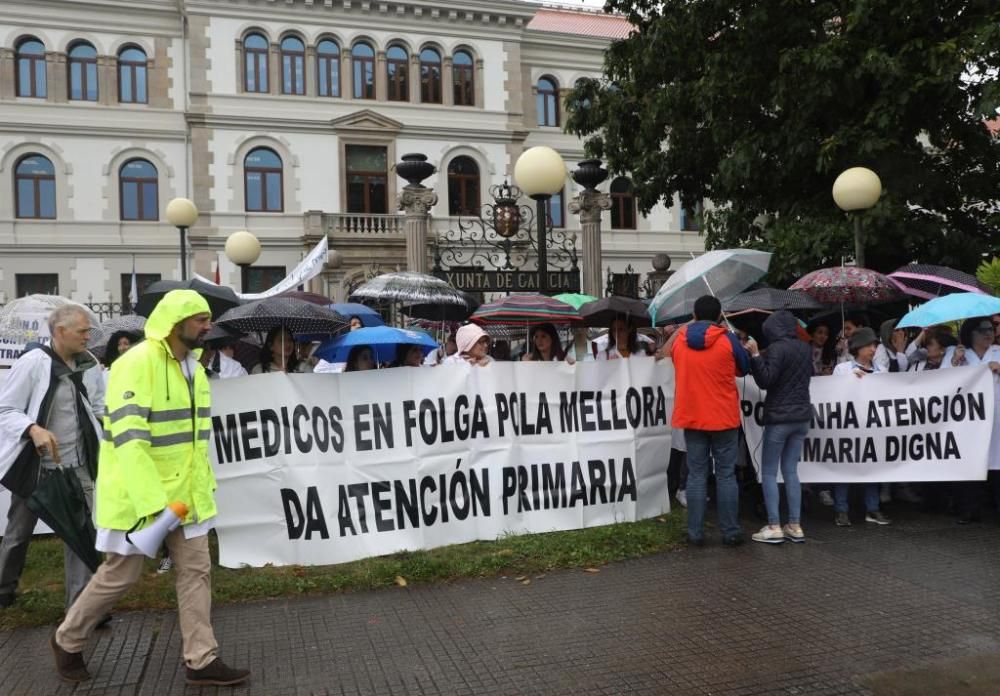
{"points": [[166, 565], [826, 498], [767, 535], [682, 497]]}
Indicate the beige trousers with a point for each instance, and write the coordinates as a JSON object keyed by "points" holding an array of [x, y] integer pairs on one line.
{"points": [[117, 575]]}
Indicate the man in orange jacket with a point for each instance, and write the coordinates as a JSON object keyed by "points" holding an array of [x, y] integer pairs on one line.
{"points": [[707, 358]]}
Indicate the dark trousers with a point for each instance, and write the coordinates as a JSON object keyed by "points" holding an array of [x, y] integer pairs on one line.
{"points": [[676, 472]]}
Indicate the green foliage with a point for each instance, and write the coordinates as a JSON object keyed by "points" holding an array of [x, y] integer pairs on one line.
{"points": [[40, 596], [759, 105], [989, 273]]}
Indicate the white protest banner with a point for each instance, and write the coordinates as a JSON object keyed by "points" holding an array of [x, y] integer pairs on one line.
{"points": [[308, 268], [19, 331], [320, 469], [909, 426]]}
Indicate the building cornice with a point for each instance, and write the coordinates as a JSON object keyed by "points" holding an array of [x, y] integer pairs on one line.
{"points": [[501, 19]]}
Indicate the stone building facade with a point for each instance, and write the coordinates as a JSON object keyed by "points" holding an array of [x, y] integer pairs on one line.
{"points": [[284, 119]]}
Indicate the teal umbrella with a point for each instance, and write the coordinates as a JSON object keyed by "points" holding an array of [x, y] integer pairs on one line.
{"points": [[954, 307], [575, 299]]}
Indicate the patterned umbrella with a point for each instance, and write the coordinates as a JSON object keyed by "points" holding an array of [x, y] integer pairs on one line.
{"points": [[526, 309], [220, 298], [848, 285], [408, 288], [313, 297], [23, 320], [927, 281], [297, 316], [100, 335], [770, 300]]}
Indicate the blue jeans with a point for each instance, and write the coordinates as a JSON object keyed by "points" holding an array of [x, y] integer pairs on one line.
{"points": [[783, 447], [722, 446], [840, 491]]}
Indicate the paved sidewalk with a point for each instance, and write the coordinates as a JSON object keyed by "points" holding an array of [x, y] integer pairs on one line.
{"points": [[836, 615]]}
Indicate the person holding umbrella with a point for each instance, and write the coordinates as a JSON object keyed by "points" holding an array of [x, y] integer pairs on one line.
{"points": [[278, 354], [155, 455], [978, 347], [360, 358], [50, 405], [473, 346], [544, 345]]}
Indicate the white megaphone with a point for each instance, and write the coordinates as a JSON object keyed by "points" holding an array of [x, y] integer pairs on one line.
{"points": [[150, 539]]}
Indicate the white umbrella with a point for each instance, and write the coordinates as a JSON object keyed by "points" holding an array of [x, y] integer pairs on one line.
{"points": [[723, 273], [409, 288], [25, 319]]}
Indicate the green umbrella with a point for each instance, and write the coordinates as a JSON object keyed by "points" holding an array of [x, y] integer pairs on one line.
{"points": [[575, 300], [59, 501]]}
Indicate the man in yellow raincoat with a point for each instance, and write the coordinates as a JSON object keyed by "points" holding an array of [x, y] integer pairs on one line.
{"points": [[154, 453]]}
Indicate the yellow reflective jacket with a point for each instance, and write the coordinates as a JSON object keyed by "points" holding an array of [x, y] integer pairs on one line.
{"points": [[157, 427]]}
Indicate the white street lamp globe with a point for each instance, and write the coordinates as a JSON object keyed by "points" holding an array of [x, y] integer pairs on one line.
{"points": [[540, 171], [242, 248], [181, 212], [857, 188]]}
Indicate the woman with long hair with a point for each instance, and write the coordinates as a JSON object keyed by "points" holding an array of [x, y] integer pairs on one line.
{"points": [[544, 345], [408, 355], [824, 350], [623, 341], [278, 354], [360, 358], [119, 342]]}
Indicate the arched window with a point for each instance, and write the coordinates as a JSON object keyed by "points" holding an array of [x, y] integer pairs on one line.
{"points": [[293, 70], [463, 78], [622, 204], [430, 76], [262, 179], [398, 71], [547, 102], [35, 187], [30, 68], [137, 191], [363, 58], [255, 63], [463, 186], [132, 76], [328, 68], [82, 61]]}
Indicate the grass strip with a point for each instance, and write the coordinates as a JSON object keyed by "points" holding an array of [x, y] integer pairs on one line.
{"points": [[40, 597]]}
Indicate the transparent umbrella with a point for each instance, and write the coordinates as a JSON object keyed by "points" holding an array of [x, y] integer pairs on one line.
{"points": [[722, 273]]}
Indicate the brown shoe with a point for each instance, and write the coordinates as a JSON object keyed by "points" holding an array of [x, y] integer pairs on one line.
{"points": [[217, 673], [70, 666]]}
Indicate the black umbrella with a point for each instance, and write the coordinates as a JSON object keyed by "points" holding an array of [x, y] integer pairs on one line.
{"points": [[220, 298], [928, 281], [59, 501], [604, 311], [443, 311], [298, 316], [771, 300]]}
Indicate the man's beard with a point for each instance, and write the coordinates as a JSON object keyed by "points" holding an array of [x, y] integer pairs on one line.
{"points": [[192, 343]]}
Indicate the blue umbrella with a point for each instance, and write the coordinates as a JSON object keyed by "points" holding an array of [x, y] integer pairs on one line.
{"points": [[367, 315], [381, 339], [954, 307]]}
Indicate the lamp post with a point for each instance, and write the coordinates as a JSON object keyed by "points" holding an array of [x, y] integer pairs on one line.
{"points": [[182, 213], [541, 173], [855, 190], [243, 248]]}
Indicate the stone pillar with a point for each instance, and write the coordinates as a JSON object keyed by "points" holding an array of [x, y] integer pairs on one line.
{"points": [[346, 75], [8, 66], [416, 203], [415, 78], [274, 69], [480, 93], [309, 71], [381, 77], [107, 80], [589, 204], [58, 71], [447, 82]]}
